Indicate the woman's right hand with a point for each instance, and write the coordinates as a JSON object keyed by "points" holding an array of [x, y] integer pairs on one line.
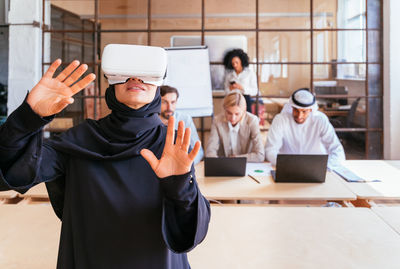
{"points": [[236, 86], [51, 95]]}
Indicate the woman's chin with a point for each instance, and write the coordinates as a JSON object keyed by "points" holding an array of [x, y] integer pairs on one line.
{"points": [[135, 101]]}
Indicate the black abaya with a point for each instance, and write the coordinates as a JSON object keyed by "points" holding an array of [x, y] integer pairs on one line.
{"points": [[115, 212]]}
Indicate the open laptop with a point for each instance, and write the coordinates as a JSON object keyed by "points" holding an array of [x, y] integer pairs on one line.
{"points": [[300, 168], [225, 166]]}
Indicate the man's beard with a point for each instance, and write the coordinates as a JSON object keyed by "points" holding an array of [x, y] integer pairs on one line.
{"points": [[298, 121], [165, 115]]}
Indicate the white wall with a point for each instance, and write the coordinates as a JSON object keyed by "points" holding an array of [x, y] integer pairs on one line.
{"points": [[391, 82], [25, 50]]}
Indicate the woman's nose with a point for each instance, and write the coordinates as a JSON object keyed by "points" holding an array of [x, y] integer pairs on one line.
{"points": [[136, 79]]}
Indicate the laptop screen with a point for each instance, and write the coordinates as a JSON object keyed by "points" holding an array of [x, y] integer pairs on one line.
{"points": [[302, 168], [225, 166]]}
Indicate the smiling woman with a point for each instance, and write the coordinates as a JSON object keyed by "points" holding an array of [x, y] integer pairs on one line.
{"points": [[135, 93], [126, 167]]}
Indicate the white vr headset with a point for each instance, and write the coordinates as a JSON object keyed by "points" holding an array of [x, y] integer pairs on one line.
{"points": [[122, 62]]}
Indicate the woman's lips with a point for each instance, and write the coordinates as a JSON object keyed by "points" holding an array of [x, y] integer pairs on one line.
{"points": [[135, 88]]}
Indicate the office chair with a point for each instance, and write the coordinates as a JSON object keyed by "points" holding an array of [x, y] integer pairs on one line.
{"points": [[346, 121]]}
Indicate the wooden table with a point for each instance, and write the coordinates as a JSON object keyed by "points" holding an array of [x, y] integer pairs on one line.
{"points": [[301, 237], [390, 214], [388, 188], [8, 194], [29, 236], [238, 237], [37, 192], [245, 188]]}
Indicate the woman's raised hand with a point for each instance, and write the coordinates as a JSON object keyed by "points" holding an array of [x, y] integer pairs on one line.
{"points": [[51, 95], [175, 159]]}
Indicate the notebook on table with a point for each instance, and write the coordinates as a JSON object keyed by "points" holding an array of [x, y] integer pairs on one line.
{"points": [[349, 176]]}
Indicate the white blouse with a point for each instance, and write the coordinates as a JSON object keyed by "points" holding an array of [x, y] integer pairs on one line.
{"points": [[234, 133], [246, 78]]}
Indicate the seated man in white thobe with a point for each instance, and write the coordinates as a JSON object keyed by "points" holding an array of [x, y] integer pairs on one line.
{"points": [[169, 99], [301, 129]]}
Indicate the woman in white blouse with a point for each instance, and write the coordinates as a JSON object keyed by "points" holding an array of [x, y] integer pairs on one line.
{"points": [[238, 76], [235, 132]]}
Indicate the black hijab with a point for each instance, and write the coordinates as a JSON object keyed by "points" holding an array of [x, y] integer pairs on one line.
{"points": [[121, 134], [118, 136]]}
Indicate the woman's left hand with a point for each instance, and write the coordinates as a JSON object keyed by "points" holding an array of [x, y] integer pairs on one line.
{"points": [[175, 159]]}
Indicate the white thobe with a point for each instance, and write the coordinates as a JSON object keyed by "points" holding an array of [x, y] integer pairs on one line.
{"points": [[315, 136]]}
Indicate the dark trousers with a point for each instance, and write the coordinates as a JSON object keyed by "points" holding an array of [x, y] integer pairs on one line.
{"points": [[248, 102]]}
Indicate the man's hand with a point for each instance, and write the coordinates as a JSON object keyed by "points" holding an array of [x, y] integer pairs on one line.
{"points": [[52, 95], [175, 159]]}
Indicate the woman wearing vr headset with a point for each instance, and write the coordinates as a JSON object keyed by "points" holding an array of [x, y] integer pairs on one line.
{"points": [[123, 187]]}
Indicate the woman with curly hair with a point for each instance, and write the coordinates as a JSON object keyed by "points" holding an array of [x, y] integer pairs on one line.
{"points": [[238, 76]]}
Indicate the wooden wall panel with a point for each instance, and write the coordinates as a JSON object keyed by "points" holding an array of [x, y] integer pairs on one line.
{"points": [[123, 7], [123, 23], [235, 14], [79, 7], [287, 14]]}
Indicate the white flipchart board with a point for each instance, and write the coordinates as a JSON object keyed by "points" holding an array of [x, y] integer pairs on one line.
{"points": [[188, 70]]}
